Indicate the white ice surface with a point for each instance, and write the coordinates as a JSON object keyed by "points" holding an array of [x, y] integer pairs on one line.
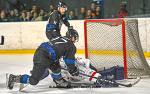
{"points": [[20, 64]]}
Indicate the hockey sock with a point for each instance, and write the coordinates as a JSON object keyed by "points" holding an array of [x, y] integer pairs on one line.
{"points": [[24, 79], [56, 76]]}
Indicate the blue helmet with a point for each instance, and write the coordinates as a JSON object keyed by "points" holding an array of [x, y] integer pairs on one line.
{"points": [[61, 4]]}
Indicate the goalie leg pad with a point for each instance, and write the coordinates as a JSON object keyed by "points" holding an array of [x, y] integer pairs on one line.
{"points": [[113, 73]]}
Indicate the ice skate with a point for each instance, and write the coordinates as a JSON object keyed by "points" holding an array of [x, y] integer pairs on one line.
{"points": [[11, 80]]}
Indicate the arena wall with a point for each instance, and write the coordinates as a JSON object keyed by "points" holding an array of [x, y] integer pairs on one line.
{"points": [[25, 37]]}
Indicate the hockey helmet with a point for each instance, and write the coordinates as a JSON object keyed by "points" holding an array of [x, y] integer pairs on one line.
{"points": [[72, 33], [62, 4]]}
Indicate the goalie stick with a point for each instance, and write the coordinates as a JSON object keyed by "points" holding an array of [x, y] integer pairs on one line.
{"points": [[112, 82]]}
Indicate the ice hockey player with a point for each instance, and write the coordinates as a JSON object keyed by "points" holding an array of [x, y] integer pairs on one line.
{"points": [[90, 76], [84, 66], [46, 57], [55, 21]]}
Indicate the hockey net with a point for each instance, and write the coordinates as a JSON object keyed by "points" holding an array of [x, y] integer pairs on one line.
{"points": [[115, 42]]}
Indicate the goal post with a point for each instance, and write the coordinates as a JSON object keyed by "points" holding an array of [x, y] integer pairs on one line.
{"points": [[115, 42]]}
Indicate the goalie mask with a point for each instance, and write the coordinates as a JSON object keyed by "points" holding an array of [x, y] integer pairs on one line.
{"points": [[72, 33]]}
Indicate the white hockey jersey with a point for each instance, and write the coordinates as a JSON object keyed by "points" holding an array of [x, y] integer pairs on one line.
{"points": [[84, 68]]}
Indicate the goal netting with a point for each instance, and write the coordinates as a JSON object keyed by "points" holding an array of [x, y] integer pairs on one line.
{"points": [[112, 42]]}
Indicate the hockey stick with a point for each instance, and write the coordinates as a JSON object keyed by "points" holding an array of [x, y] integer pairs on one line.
{"points": [[112, 82], [2, 40]]}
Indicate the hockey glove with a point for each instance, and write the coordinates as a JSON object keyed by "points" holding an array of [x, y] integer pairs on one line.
{"points": [[70, 28], [74, 72]]}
